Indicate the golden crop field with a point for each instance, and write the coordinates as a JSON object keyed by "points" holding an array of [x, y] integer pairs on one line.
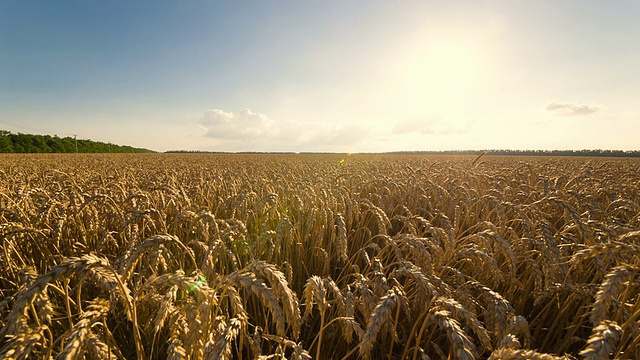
{"points": [[308, 256]]}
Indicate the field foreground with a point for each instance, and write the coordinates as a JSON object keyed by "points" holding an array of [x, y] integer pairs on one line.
{"points": [[328, 257]]}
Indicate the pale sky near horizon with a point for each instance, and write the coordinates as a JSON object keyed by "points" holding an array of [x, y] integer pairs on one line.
{"points": [[354, 76]]}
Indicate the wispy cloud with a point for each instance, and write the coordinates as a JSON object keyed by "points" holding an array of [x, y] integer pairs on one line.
{"points": [[246, 124], [253, 131], [413, 126], [571, 109], [429, 126]]}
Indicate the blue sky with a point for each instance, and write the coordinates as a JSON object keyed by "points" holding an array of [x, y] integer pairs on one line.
{"points": [[324, 76]]}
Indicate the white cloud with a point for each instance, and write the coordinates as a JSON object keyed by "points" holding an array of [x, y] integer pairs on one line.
{"points": [[414, 126], [335, 136], [570, 109], [244, 125], [430, 126], [252, 131]]}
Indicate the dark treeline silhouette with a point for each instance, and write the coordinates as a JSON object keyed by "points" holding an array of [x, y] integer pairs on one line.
{"points": [[592, 153], [231, 152], [27, 143]]}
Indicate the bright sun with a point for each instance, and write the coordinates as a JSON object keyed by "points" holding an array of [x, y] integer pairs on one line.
{"points": [[447, 65], [443, 69]]}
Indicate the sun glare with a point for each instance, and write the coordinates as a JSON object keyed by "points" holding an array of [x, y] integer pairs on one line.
{"points": [[444, 69]]}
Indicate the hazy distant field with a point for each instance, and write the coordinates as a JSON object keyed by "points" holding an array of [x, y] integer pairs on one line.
{"points": [[319, 256]]}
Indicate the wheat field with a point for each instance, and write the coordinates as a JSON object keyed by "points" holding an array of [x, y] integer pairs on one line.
{"points": [[319, 256]]}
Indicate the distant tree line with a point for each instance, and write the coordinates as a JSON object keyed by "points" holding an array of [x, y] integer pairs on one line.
{"points": [[592, 153], [27, 143], [229, 152]]}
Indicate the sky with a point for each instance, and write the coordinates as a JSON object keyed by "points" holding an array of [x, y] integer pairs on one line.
{"points": [[338, 76]]}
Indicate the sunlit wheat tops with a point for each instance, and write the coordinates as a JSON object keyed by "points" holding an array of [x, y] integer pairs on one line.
{"points": [[290, 256]]}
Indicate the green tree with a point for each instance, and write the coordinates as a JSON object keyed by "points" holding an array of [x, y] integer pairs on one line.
{"points": [[6, 145]]}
